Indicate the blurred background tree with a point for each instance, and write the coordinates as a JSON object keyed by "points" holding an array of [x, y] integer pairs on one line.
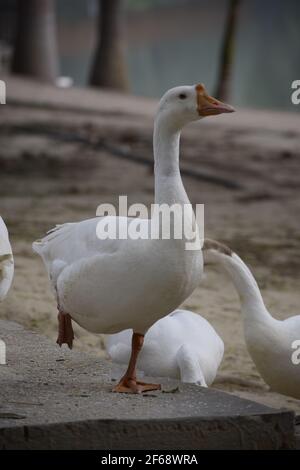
{"points": [[109, 68], [248, 49], [35, 50], [227, 51]]}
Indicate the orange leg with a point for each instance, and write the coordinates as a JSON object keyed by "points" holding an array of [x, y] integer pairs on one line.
{"points": [[65, 329], [129, 383]]}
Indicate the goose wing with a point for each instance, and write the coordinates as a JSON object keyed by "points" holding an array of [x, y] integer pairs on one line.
{"points": [[71, 242]]}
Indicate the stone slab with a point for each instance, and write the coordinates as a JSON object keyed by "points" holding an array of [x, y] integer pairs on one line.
{"points": [[52, 398]]}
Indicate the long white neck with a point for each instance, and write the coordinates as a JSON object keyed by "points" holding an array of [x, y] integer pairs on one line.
{"points": [[169, 188], [252, 304]]}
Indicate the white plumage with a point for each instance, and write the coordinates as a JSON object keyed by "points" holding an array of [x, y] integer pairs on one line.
{"points": [[270, 342], [6, 261], [110, 285]]}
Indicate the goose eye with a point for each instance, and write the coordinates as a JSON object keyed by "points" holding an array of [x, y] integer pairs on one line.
{"points": [[182, 96]]}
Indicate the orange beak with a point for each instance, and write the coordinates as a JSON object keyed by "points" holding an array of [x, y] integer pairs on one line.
{"points": [[208, 106]]}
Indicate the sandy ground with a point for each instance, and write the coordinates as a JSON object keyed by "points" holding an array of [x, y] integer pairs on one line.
{"points": [[62, 155]]}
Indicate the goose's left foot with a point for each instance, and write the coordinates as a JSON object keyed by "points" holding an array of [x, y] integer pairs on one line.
{"points": [[129, 383], [65, 329]]}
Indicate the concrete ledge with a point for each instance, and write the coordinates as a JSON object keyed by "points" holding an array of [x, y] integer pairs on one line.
{"points": [[53, 398]]}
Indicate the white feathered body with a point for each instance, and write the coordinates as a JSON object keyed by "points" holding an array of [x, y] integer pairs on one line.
{"points": [[111, 285], [182, 345], [6, 261], [270, 344]]}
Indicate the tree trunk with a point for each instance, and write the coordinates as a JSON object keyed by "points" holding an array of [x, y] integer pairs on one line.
{"points": [[227, 51], [35, 52], [109, 67]]}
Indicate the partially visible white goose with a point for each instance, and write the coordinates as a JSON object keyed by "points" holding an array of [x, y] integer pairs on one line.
{"points": [[108, 286], [182, 345], [6, 261], [271, 343]]}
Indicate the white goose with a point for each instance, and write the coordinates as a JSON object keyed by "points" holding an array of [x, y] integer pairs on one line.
{"points": [[108, 286], [182, 345], [274, 345], [6, 261]]}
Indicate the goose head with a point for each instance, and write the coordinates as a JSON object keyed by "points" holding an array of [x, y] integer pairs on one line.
{"points": [[184, 104]]}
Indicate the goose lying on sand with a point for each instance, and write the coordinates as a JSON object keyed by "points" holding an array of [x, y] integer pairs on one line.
{"points": [[182, 345]]}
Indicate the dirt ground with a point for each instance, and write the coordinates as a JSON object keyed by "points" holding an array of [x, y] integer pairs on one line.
{"points": [[59, 160]]}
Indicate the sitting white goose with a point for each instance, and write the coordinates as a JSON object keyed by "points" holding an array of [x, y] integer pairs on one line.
{"points": [[6, 261], [272, 344], [182, 345], [107, 286]]}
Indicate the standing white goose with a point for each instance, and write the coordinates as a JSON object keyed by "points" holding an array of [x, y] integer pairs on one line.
{"points": [[108, 286], [271, 343], [182, 345], [6, 261]]}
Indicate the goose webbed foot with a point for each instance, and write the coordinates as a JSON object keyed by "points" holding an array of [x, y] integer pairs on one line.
{"points": [[127, 385], [65, 329]]}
